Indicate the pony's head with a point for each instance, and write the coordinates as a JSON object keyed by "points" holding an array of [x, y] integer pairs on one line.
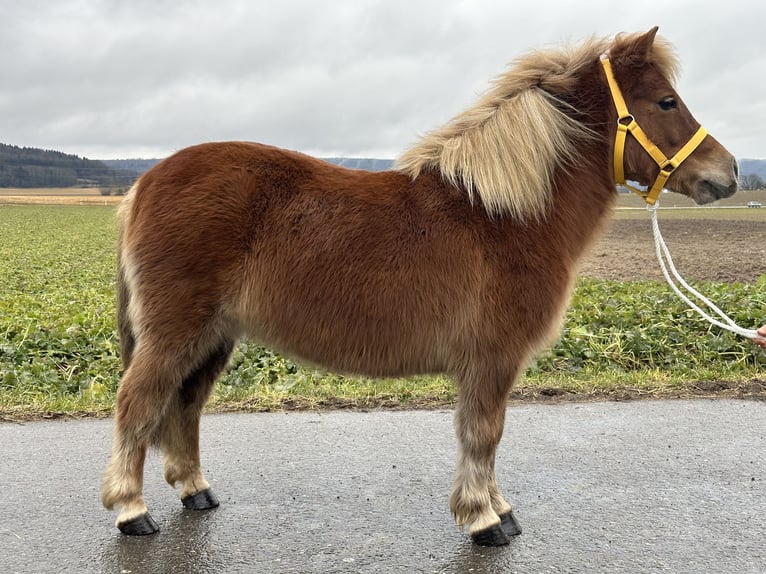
{"points": [[553, 111], [658, 143]]}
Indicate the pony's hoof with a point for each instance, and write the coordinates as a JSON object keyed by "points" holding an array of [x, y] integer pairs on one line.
{"points": [[492, 536], [510, 525], [202, 500], [139, 526]]}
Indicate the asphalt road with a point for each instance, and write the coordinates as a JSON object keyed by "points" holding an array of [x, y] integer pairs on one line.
{"points": [[676, 486]]}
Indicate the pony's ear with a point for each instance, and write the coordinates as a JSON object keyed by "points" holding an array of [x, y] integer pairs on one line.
{"points": [[636, 50], [644, 45]]}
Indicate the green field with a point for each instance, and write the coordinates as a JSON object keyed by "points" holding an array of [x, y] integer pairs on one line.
{"points": [[59, 352]]}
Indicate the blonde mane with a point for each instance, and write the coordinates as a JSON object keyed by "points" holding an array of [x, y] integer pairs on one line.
{"points": [[506, 148]]}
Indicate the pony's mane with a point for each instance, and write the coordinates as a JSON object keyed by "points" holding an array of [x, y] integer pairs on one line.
{"points": [[506, 148]]}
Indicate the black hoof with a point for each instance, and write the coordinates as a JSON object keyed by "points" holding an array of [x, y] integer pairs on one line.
{"points": [[202, 500], [510, 525], [139, 526], [492, 536]]}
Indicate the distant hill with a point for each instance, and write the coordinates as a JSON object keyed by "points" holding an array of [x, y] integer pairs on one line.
{"points": [[369, 164], [746, 166], [753, 167], [27, 167], [138, 166], [32, 167]]}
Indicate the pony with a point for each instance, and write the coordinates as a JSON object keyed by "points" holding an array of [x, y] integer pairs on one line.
{"points": [[459, 260]]}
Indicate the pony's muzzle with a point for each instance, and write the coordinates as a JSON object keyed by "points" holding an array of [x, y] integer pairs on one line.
{"points": [[710, 189], [719, 190]]}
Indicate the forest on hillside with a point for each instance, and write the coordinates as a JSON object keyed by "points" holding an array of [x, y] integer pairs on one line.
{"points": [[26, 167]]}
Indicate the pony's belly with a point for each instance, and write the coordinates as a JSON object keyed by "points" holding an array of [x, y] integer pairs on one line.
{"points": [[352, 351]]}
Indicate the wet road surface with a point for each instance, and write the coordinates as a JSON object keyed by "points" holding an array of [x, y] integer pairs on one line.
{"points": [[676, 486]]}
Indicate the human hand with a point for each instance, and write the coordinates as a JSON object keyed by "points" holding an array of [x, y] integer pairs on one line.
{"points": [[761, 342]]}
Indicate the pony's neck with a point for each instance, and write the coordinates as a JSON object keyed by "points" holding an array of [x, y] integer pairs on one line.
{"points": [[585, 193], [582, 209]]}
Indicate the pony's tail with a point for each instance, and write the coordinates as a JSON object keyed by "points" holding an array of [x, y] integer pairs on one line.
{"points": [[124, 323], [125, 327]]}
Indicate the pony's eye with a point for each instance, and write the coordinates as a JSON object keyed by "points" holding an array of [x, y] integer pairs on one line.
{"points": [[668, 103]]}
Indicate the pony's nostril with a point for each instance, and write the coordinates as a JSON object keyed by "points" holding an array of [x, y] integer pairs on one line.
{"points": [[736, 168], [720, 190]]}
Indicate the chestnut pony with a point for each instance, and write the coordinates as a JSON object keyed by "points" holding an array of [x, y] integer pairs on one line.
{"points": [[459, 261]]}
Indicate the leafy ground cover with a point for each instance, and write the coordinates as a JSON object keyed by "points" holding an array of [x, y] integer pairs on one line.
{"points": [[59, 351]]}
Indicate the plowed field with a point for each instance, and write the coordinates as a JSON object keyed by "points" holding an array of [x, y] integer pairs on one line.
{"points": [[710, 248]]}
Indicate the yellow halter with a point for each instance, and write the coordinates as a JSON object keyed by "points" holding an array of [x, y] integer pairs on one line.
{"points": [[627, 123]]}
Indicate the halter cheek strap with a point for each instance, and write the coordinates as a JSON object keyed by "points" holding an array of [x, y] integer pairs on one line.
{"points": [[626, 123]]}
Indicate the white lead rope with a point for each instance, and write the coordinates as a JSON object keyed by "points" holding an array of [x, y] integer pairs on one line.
{"points": [[663, 256]]}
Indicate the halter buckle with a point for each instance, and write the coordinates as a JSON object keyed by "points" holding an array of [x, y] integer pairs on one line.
{"points": [[668, 166]]}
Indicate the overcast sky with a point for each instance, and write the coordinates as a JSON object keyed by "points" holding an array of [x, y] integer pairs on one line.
{"points": [[363, 78]]}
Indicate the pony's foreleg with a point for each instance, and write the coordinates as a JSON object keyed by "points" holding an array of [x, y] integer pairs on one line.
{"points": [[141, 400], [179, 432], [476, 501]]}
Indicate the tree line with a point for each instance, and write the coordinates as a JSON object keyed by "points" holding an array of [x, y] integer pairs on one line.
{"points": [[751, 181], [27, 167]]}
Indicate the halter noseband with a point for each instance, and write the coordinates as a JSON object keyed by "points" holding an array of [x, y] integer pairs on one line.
{"points": [[627, 123]]}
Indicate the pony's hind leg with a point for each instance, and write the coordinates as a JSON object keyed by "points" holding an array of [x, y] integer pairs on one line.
{"points": [[144, 392], [476, 501], [178, 435]]}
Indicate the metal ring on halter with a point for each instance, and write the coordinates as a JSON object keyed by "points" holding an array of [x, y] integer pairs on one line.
{"points": [[628, 117]]}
